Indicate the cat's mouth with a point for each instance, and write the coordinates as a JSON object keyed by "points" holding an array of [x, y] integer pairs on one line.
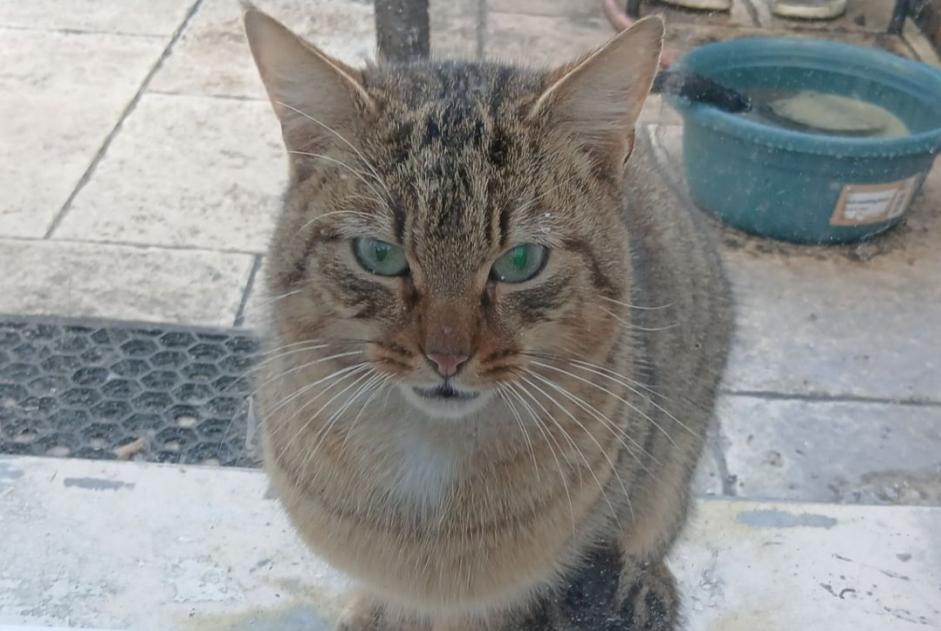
{"points": [[446, 400], [445, 392]]}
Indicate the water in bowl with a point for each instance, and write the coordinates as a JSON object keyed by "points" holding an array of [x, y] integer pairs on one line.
{"points": [[816, 112]]}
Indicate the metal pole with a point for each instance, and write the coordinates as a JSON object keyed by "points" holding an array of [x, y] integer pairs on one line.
{"points": [[402, 29], [897, 23]]}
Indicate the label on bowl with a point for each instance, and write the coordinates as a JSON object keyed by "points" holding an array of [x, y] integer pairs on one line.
{"points": [[862, 204]]}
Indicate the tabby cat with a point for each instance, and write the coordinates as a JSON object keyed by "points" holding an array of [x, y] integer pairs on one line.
{"points": [[495, 337]]}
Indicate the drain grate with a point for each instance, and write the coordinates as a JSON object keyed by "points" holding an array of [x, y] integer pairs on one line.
{"points": [[159, 393]]}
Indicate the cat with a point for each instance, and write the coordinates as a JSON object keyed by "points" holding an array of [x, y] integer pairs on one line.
{"points": [[495, 337]]}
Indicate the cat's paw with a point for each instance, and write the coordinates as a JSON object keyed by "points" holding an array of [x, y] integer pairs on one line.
{"points": [[649, 599], [367, 614], [364, 614]]}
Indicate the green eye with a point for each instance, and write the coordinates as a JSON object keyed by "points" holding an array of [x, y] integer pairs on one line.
{"points": [[380, 257], [520, 263]]}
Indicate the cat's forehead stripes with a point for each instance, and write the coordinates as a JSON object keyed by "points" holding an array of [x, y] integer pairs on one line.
{"points": [[457, 136]]}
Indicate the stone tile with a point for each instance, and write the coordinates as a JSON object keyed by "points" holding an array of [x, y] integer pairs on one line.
{"points": [[542, 41], [656, 110], [212, 56], [140, 17], [861, 15], [739, 565], [822, 325], [186, 171], [708, 478], [868, 453], [60, 96], [861, 320], [258, 303], [454, 28], [120, 282], [555, 8], [922, 46]]}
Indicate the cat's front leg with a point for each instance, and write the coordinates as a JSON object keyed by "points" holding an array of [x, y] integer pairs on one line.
{"points": [[366, 613], [647, 598], [612, 591]]}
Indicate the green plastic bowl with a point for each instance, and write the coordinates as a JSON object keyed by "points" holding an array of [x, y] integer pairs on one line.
{"points": [[802, 187]]}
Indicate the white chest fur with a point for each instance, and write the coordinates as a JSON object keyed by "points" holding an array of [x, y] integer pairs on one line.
{"points": [[420, 469]]}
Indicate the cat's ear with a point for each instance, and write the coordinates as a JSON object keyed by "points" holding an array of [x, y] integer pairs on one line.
{"points": [[316, 97], [599, 99]]}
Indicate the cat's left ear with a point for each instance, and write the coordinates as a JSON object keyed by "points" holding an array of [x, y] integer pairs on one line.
{"points": [[317, 98], [599, 99]]}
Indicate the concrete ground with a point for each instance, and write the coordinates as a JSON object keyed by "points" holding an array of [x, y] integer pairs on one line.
{"points": [[156, 547], [141, 170]]}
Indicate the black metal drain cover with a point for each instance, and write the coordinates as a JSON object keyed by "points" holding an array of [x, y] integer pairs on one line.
{"points": [[97, 389]]}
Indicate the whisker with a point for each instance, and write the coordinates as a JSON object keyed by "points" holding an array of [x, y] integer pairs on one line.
{"points": [[324, 431], [315, 415], [335, 378], [618, 432], [571, 361], [572, 442], [338, 212], [344, 140], [638, 307], [607, 423], [608, 392], [273, 299], [294, 369], [359, 174], [519, 422], [552, 450], [616, 378], [377, 387], [636, 327], [310, 386]]}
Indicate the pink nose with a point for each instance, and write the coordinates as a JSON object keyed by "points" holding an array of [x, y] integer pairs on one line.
{"points": [[447, 363]]}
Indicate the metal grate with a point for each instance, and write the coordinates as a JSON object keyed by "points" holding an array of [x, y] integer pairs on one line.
{"points": [[158, 393]]}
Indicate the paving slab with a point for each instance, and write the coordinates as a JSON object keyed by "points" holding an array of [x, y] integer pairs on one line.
{"points": [[139, 17], [826, 451], [186, 171], [129, 545], [858, 321], [708, 479], [258, 302], [456, 30], [61, 94], [212, 56], [121, 282], [921, 45], [543, 41], [557, 8]]}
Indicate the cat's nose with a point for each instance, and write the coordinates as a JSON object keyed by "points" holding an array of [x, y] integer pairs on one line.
{"points": [[447, 364]]}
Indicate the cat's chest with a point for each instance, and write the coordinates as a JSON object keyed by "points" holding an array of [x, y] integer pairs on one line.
{"points": [[418, 470]]}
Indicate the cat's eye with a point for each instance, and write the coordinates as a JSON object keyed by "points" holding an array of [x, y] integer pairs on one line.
{"points": [[520, 263], [379, 257]]}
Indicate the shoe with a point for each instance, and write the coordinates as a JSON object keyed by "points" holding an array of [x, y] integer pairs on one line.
{"points": [[809, 9]]}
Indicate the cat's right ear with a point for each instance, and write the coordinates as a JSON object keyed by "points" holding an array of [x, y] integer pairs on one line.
{"points": [[317, 98], [599, 99]]}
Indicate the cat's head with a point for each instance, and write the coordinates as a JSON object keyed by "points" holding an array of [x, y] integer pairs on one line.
{"points": [[455, 222]]}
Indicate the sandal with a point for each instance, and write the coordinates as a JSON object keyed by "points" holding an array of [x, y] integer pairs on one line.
{"points": [[809, 9]]}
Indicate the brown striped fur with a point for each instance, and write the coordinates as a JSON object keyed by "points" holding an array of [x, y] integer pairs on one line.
{"points": [[550, 502]]}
